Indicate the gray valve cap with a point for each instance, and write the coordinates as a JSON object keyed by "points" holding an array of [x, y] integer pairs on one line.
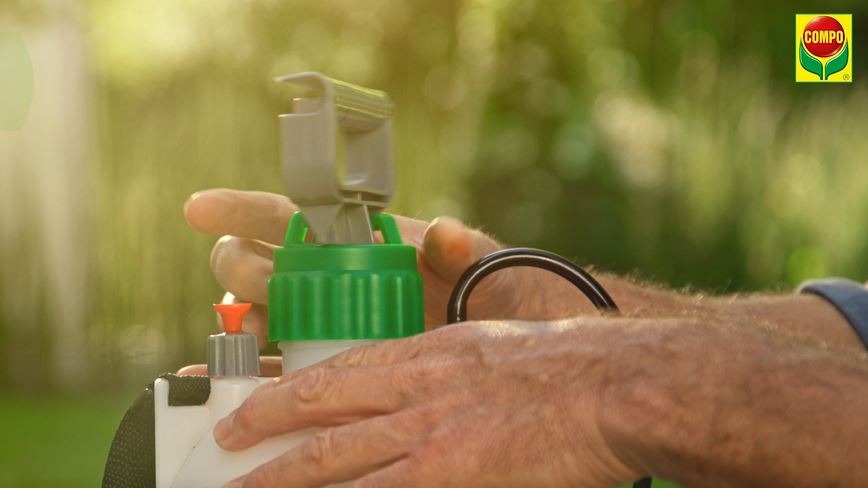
{"points": [[233, 354]]}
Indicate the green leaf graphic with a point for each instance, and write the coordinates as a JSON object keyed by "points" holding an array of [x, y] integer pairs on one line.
{"points": [[810, 63], [837, 63]]}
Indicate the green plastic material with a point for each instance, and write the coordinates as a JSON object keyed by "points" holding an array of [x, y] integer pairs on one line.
{"points": [[344, 291]]}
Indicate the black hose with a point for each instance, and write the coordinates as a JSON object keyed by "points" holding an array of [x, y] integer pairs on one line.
{"points": [[456, 310]]}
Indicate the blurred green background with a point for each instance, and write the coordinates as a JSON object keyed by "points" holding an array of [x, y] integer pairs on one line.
{"points": [[663, 138]]}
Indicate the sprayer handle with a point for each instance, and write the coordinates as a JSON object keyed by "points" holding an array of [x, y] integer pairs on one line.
{"points": [[298, 228]]}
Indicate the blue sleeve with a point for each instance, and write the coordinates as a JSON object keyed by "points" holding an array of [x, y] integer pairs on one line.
{"points": [[849, 297]]}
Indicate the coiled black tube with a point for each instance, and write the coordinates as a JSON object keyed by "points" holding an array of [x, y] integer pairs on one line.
{"points": [[456, 310]]}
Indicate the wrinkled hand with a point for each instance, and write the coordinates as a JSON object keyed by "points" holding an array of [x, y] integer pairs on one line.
{"points": [[253, 224], [508, 404]]}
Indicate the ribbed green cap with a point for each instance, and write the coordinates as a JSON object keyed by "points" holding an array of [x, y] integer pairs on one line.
{"points": [[344, 291]]}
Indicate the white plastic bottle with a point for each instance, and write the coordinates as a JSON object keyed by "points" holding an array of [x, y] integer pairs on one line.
{"points": [[339, 288], [187, 456]]}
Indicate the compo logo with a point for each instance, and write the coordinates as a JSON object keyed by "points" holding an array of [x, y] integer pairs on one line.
{"points": [[824, 48]]}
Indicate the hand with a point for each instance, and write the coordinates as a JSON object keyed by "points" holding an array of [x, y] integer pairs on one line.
{"points": [[253, 224], [505, 405]]}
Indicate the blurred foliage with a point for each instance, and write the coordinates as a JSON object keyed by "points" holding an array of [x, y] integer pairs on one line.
{"points": [[664, 138], [668, 138]]}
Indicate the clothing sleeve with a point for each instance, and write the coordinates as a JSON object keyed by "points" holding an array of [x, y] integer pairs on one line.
{"points": [[849, 297]]}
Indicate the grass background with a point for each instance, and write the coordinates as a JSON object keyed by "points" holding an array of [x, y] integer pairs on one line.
{"points": [[53, 441]]}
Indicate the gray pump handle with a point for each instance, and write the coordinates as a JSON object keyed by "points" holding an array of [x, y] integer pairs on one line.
{"points": [[337, 200]]}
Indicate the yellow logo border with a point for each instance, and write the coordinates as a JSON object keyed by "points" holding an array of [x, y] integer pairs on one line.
{"points": [[847, 72]]}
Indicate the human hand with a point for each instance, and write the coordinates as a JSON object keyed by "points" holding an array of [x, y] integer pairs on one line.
{"points": [[509, 404], [252, 225]]}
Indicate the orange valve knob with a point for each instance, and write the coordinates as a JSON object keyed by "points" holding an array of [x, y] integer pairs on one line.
{"points": [[233, 353], [232, 315]]}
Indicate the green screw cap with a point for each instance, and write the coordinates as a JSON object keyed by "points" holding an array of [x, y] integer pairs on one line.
{"points": [[344, 291]]}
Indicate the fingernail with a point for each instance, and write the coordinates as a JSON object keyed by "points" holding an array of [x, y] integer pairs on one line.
{"points": [[442, 233], [223, 429], [193, 197]]}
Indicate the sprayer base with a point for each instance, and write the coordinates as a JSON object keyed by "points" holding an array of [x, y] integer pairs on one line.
{"points": [[187, 456]]}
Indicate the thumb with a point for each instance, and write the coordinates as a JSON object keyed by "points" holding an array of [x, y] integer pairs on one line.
{"points": [[449, 247]]}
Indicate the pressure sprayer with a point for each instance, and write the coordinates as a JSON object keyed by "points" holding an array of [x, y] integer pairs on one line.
{"points": [[334, 287]]}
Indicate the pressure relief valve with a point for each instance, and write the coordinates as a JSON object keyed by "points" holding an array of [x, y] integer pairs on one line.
{"points": [[234, 352], [186, 454]]}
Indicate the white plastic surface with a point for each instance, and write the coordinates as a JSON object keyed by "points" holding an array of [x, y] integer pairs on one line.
{"points": [[187, 455], [176, 432]]}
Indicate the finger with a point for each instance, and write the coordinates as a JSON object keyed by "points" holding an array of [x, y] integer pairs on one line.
{"points": [[242, 267], [269, 366], [318, 397], [261, 215], [252, 214], [435, 346], [382, 353], [344, 453], [193, 370], [450, 247], [412, 230], [255, 321], [447, 342]]}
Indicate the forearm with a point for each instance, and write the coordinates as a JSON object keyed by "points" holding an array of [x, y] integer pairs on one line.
{"points": [[808, 317], [725, 406], [805, 316]]}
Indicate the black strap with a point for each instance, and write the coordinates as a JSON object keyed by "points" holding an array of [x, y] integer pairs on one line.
{"points": [[849, 297], [131, 461]]}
